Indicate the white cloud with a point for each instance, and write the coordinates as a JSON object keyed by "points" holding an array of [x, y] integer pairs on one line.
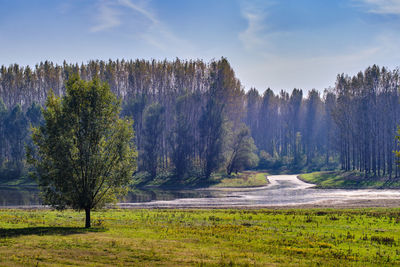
{"points": [[140, 10], [154, 32], [107, 18], [254, 37], [271, 60], [382, 6]]}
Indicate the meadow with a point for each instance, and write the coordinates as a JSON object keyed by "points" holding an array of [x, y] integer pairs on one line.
{"points": [[227, 237]]}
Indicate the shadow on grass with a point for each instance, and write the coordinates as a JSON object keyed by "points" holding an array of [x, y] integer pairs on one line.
{"points": [[15, 232]]}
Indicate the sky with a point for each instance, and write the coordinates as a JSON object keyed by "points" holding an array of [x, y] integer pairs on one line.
{"points": [[281, 44]]}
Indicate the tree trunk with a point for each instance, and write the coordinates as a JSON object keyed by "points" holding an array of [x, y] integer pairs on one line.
{"points": [[87, 223]]}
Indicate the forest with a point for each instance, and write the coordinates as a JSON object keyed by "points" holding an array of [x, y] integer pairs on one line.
{"points": [[193, 119]]}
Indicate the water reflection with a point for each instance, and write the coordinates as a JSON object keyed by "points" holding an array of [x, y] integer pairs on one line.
{"points": [[29, 196], [147, 195], [19, 196]]}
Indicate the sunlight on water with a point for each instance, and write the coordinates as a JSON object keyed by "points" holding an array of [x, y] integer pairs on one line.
{"points": [[283, 190]]}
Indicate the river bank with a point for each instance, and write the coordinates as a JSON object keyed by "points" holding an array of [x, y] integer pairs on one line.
{"points": [[349, 180]]}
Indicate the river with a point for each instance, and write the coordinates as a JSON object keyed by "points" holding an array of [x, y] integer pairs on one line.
{"points": [[283, 191]]}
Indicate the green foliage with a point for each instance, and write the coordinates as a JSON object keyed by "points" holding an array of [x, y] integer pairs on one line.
{"points": [[242, 151], [352, 124], [14, 133], [34, 114], [83, 154], [212, 133], [228, 237], [221, 112], [16, 130], [182, 139], [154, 124], [284, 164], [134, 108], [266, 161]]}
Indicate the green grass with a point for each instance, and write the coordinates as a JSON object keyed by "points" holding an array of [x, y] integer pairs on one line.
{"points": [[317, 237], [348, 180], [243, 179]]}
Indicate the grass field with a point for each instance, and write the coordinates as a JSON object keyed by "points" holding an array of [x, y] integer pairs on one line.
{"points": [[243, 179], [365, 237], [348, 180]]}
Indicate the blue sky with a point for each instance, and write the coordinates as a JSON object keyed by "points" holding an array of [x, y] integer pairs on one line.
{"points": [[280, 44]]}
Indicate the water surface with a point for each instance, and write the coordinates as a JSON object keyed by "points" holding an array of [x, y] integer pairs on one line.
{"points": [[19, 196], [283, 190]]}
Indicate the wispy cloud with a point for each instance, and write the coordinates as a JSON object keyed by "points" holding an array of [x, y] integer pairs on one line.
{"points": [[254, 36], [108, 17], [155, 32], [113, 13], [381, 6], [141, 10]]}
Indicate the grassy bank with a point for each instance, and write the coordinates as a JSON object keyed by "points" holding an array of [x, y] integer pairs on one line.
{"points": [[348, 180], [201, 237], [168, 181], [242, 179]]}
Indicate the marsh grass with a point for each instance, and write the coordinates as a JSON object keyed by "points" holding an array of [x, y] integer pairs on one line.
{"points": [[230, 237]]}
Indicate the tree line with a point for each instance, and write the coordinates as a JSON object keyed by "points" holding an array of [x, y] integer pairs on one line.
{"points": [[193, 118], [367, 116], [293, 131], [14, 135]]}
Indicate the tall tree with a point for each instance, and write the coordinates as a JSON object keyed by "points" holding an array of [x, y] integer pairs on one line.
{"points": [[152, 133], [212, 133], [313, 116], [182, 140], [16, 130], [83, 154]]}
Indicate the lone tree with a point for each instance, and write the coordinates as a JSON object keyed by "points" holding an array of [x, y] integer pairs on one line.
{"points": [[83, 153]]}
